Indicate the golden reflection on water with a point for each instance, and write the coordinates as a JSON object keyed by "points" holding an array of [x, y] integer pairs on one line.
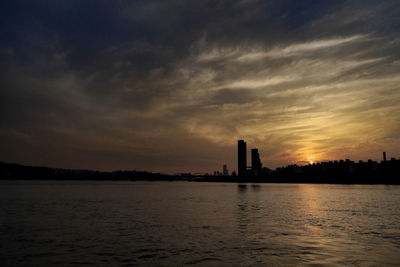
{"points": [[217, 224], [322, 223]]}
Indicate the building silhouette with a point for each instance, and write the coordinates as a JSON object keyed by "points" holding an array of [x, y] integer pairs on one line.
{"points": [[256, 167], [255, 161], [225, 170], [242, 158], [384, 156]]}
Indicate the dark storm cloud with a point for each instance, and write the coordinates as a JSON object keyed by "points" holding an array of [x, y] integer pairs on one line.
{"points": [[151, 84]]}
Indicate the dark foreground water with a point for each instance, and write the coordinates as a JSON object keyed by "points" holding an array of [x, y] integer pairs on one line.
{"points": [[178, 223]]}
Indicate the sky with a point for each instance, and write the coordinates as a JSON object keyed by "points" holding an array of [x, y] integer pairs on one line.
{"points": [[170, 86]]}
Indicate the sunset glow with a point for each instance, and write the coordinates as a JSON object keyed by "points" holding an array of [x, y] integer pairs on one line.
{"points": [[160, 86]]}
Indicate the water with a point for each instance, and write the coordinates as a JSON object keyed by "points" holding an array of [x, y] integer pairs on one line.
{"points": [[177, 223]]}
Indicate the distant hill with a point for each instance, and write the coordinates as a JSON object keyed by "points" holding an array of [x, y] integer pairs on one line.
{"points": [[11, 171]]}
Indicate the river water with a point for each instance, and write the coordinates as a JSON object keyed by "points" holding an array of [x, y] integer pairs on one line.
{"points": [[70, 223]]}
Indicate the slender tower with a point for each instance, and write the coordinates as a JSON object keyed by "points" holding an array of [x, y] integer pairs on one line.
{"points": [[384, 156], [225, 170], [255, 160], [242, 158]]}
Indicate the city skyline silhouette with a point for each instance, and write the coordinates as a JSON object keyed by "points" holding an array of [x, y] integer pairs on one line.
{"points": [[337, 171]]}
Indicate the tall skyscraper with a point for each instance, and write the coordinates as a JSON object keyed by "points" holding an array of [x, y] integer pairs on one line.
{"points": [[255, 160], [384, 156], [242, 158]]}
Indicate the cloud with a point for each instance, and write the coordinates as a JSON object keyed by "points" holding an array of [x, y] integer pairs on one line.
{"points": [[171, 86], [300, 48]]}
